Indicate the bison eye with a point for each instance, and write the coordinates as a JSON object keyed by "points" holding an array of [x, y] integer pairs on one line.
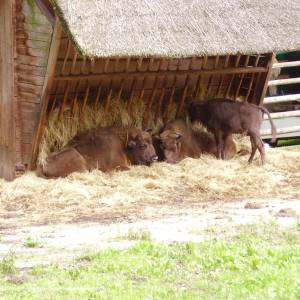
{"points": [[143, 146]]}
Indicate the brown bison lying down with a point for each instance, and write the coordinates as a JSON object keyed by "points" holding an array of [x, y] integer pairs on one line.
{"points": [[104, 149], [224, 117], [178, 141]]}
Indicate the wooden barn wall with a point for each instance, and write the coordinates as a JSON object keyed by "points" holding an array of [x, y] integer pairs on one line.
{"points": [[154, 80], [7, 96], [33, 37]]}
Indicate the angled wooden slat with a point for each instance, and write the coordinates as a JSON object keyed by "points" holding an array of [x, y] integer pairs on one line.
{"points": [[54, 49]]}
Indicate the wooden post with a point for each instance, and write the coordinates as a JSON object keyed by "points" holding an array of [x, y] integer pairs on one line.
{"points": [[53, 54], [266, 79], [7, 100], [262, 82]]}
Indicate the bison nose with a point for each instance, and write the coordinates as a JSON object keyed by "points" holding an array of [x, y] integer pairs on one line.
{"points": [[155, 158]]}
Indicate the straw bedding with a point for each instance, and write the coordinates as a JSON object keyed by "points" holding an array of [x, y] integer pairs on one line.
{"points": [[121, 195]]}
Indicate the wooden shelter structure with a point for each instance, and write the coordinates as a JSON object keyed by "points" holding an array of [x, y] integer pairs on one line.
{"points": [[56, 53]]}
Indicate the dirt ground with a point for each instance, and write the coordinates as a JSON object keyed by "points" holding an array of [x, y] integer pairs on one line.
{"points": [[183, 202], [63, 242]]}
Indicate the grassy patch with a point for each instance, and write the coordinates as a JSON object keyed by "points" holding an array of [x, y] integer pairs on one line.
{"points": [[288, 142], [31, 242], [7, 263], [257, 263], [137, 234]]}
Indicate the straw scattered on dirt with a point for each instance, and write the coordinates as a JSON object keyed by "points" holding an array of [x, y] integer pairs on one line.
{"points": [[125, 195]]}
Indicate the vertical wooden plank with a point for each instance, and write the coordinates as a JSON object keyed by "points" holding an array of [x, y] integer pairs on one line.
{"points": [[170, 102], [241, 79], [96, 103], [66, 58], [222, 76], [266, 78], [7, 124], [54, 49], [198, 85], [86, 97], [108, 98], [160, 100], [181, 103], [64, 102], [74, 62], [237, 61], [252, 79], [134, 81], [75, 99]]}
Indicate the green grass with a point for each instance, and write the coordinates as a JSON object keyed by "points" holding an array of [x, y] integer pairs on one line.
{"points": [[30, 242], [257, 263], [288, 142], [7, 264], [138, 234]]}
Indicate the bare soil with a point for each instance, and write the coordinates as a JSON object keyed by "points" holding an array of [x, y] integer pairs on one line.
{"points": [[63, 242]]}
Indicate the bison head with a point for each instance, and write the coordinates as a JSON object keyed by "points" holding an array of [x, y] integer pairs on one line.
{"points": [[140, 147], [171, 146]]}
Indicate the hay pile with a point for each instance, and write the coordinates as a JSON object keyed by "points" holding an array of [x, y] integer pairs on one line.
{"points": [[122, 195]]}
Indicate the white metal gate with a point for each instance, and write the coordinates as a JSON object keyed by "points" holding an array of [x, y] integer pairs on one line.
{"points": [[286, 122]]}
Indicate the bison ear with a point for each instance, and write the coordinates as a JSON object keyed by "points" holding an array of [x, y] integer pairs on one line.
{"points": [[131, 144]]}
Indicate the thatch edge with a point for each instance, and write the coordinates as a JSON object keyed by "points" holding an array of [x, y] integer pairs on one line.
{"points": [[65, 26], [91, 55]]}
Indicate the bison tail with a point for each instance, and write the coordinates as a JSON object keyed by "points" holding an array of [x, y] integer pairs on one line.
{"points": [[273, 127]]}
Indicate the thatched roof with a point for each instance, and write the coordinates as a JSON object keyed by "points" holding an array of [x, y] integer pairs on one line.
{"points": [[180, 28]]}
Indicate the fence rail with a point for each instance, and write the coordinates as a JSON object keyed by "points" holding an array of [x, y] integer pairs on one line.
{"points": [[287, 64], [281, 130], [284, 81], [279, 99]]}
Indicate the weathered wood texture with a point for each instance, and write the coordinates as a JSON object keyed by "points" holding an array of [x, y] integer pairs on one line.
{"points": [[7, 97], [33, 37], [73, 79], [158, 82], [45, 94]]}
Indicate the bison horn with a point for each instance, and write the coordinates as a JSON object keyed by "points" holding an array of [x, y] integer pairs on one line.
{"points": [[176, 135]]}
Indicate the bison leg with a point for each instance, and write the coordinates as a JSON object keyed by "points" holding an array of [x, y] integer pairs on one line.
{"points": [[224, 143], [219, 142], [261, 149], [253, 148]]}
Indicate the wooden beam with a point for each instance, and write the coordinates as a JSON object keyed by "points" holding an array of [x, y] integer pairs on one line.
{"points": [[7, 99], [53, 54], [46, 10], [239, 70], [266, 78]]}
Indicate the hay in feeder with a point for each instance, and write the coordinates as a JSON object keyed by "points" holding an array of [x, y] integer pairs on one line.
{"points": [[59, 131]]}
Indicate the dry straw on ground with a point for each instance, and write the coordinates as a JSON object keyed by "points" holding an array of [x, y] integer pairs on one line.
{"points": [[121, 195]]}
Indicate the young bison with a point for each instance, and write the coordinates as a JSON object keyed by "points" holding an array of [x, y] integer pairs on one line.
{"points": [[178, 141], [224, 117], [105, 149]]}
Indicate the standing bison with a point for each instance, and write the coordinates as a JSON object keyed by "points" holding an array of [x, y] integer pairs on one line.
{"points": [[105, 149], [224, 117]]}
